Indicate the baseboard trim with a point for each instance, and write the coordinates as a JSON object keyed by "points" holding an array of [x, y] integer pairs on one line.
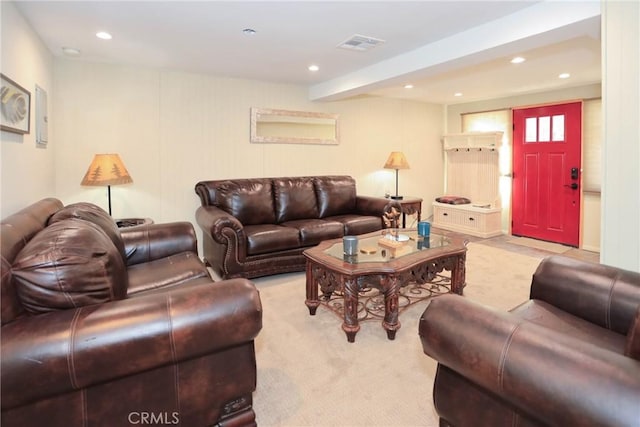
{"points": [[591, 248]]}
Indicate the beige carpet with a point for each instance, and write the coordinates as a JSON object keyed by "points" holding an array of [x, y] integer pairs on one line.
{"points": [[539, 244], [309, 375]]}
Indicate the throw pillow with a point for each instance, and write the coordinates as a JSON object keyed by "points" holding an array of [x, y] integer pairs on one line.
{"points": [[453, 200], [94, 214], [69, 264]]}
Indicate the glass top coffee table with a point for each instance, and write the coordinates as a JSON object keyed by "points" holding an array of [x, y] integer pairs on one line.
{"points": [[384, 263]]}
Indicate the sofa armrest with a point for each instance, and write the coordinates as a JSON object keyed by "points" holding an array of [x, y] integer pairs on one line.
{"points": [[601, 294], [154, 241], [224, 241], [214, 220], [69, 350], [550, 376], [374, 206]]}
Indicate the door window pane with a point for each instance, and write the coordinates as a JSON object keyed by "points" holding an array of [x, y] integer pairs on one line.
{"points": [[557, 125], [531, 129], [544, 129]]}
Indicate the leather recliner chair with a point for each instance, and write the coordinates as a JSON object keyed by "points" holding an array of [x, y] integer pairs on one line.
{"points": [[569, 356], [109, 327]]}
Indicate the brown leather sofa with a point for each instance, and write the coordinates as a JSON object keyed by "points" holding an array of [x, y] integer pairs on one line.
{"points": [[257, 227], [569, 356], [110, 327]]}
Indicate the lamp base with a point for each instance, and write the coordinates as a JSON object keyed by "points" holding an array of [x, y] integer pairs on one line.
{"points": [[396, 197]]}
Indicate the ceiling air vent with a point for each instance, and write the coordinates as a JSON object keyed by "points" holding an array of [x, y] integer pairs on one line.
{"points": [[360, 43]]}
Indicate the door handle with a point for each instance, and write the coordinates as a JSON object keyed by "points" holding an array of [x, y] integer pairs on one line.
{"points": [[573, 186]]}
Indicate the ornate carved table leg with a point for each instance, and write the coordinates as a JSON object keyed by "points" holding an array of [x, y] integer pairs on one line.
{"points": [[458, 275], [312, 301], [350, 325], [390, 322]]}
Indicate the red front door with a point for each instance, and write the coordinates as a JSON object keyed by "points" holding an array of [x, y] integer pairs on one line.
{"points": [[546, 172]]}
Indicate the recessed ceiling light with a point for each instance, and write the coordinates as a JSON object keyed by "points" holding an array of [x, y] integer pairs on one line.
{"points": [[249, 31], [313, 68], [71, 51], [103, 35], [409, 86], [518, 60], [457, 94], [564, 76]]}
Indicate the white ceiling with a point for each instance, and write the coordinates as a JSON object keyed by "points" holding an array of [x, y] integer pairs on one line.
{"points": [[441, 47]]}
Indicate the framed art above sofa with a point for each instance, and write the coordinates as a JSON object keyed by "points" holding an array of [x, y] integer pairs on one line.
{"points": [[15, 106]]}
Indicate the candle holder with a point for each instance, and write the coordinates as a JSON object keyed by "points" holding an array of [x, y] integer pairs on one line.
{"points": [[350, 245]]}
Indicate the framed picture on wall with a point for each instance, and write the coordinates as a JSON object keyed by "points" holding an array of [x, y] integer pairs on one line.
{"points": [[15, 106]]}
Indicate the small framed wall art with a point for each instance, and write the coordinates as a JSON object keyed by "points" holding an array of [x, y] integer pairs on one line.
{"points": [[15, 106]]}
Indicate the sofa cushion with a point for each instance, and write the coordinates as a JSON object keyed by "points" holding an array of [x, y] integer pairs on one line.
{"points": [[314, 231], [632, 348], [95, 214], [358, 224], [176, 269], [295, 198], [336, 195], [71, 263], [266, 238], [249, 200]]}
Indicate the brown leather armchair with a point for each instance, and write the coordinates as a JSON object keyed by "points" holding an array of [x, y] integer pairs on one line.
{"points": [[570, 356], [109, 327]]}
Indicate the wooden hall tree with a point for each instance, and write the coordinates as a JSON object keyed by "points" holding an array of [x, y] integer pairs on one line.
{"points": [[472, 172]]}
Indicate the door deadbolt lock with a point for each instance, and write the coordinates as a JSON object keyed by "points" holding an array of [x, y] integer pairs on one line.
{"points": [[574, 173], [573, 186]]}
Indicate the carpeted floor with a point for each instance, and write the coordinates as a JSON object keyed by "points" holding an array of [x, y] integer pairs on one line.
{"points": [[309, 375], [539, 244]]}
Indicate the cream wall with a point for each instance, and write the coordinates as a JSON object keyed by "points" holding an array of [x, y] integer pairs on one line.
{"points": [[126, 115], [590, 226], [27, 172], [621, 148], [173, 129]]}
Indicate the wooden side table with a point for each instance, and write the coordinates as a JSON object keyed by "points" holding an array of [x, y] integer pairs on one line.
{"points": [[410, 206]]}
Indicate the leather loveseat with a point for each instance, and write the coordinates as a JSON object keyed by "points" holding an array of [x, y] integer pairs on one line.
{"points": [[257, 227], [110, 327], [569, 356]]}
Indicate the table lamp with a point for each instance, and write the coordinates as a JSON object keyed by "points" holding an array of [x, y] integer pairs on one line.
{"points": [[396, 161], [106, 169]]}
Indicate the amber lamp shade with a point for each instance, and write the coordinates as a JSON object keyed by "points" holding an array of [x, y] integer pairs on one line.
{"points": [[106, 170], [396, 161]]}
